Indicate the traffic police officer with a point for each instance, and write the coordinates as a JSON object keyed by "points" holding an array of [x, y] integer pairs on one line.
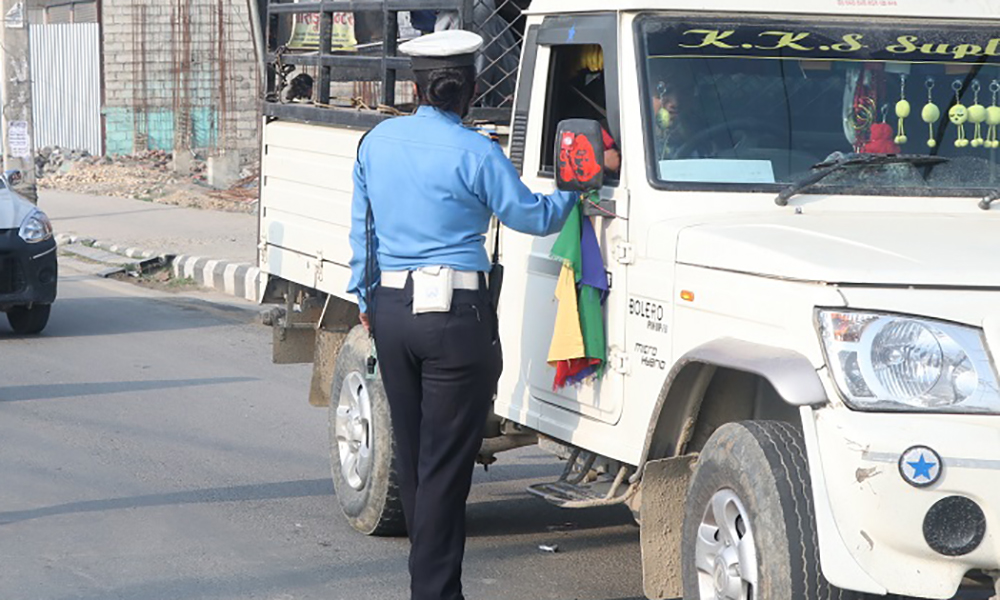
{"points": [[425, 189]]}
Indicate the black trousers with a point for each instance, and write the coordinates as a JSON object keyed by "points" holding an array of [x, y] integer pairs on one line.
{"points": [[440, 372]]}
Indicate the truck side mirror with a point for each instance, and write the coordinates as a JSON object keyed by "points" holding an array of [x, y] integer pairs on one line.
{"points": [[13, 177], [579, 155]]}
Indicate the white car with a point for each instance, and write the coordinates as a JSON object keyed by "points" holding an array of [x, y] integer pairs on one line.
{"points": [[28, 265]]}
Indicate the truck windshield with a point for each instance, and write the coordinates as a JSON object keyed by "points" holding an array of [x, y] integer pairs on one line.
{"points": [[757, 104]]}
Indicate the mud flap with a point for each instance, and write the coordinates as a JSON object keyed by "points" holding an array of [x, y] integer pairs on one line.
{"points": [[664, 490], [328, 344], [294, 334], [290, 346]]}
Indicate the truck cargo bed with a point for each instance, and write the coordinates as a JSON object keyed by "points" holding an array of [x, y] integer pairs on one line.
{"points": [[305, 211]]}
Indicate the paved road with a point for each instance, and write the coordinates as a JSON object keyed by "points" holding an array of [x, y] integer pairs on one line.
{"points": [[154, 227], [150, 451]]}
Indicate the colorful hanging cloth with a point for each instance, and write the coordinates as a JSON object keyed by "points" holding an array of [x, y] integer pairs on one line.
{"points": [[593, 272], [578, 349], [567, 337]]}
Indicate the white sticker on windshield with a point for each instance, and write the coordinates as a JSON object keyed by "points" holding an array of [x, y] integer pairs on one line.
{"points": [[717, 170]]}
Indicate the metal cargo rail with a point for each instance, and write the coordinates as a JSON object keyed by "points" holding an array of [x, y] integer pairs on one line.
{"points": [[375, 62]]}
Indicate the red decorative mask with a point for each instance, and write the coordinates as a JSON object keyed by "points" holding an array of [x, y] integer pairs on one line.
{"points": [[577, 160]]}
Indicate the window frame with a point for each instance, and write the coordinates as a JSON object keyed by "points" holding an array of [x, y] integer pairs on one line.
{"points": [[581, 30], [522, 100]]}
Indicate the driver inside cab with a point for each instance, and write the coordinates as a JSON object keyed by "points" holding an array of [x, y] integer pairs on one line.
{"points": [[587, 99], [675, 122]]}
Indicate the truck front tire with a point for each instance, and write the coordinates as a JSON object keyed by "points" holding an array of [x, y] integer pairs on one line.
{"points": [[362, 447], [749, 526]]}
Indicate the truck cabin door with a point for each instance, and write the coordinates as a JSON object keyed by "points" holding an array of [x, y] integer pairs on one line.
{"points": [[570, 72]]}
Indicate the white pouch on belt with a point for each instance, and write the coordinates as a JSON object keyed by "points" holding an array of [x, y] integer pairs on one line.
{"points": [[432, 289]]}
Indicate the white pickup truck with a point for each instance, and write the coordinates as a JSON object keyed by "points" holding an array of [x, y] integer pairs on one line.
{"points": [[803, 251]]}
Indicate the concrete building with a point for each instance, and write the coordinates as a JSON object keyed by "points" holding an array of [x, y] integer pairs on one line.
{"points": [[176, 74], [179, 74]]}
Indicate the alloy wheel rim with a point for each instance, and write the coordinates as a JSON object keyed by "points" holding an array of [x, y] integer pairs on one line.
{"points": [[725, 550], [353, 431]]}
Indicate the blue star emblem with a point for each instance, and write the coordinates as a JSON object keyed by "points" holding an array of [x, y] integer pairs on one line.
{"points": [[572, 34], [922, 468]]}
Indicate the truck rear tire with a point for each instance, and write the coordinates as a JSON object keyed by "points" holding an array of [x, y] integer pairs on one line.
{"points": [[29, 321], [749, 526], [362, 447]]}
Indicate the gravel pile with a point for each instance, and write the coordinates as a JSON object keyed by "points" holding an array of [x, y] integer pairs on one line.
{"points": [[55, 160], [147, 176]]}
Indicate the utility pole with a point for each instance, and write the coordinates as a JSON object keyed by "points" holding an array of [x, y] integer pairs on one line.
{"points": [[15, 92]]}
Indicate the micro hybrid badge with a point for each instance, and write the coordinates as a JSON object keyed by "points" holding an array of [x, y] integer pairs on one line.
{"points": [[920, 466]]}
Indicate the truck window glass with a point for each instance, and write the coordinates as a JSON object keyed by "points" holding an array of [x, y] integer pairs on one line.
{"points": [[577, 89], [755, 104]]}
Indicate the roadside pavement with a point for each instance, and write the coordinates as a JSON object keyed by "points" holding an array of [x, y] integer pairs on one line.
{"points": [[216, 249]]}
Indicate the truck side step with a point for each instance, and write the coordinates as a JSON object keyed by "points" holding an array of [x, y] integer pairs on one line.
{"points": [[562, 493], [577, 487]]}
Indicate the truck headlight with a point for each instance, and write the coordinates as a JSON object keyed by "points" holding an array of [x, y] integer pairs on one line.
{"points": [[35, 228], [891, 362]]}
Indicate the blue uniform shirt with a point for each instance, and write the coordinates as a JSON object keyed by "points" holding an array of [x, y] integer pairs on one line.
{"points": [[433, 185]]}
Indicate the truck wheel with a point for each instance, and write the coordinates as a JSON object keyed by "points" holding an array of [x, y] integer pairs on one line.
{"points": [[749, 528], [26, 321], [362, 454]]}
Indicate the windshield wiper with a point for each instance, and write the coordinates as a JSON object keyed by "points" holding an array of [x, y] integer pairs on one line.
{"points": [[828, 167]]}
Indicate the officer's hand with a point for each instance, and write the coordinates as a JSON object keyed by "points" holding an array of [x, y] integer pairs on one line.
{"points": [[364, 321]]}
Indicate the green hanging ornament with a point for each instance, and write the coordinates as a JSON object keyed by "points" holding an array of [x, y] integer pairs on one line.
{"points": [[902, 111], [663, 118], [977, 116], [930, 113], [993, 118], [959, 114]]}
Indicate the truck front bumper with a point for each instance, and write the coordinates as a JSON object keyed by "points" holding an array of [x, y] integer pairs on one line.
{"points": [[28, 272], [914, 532]]}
